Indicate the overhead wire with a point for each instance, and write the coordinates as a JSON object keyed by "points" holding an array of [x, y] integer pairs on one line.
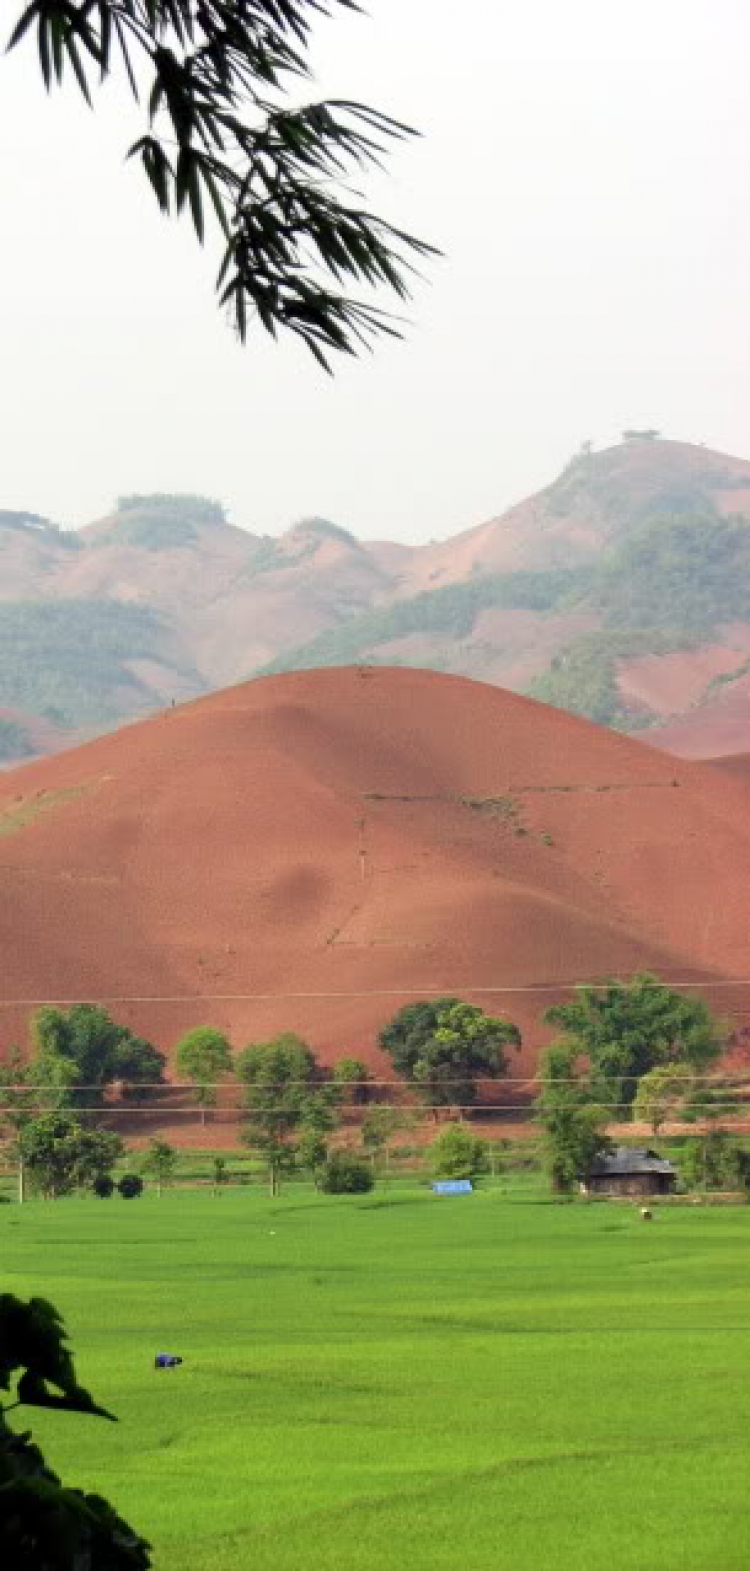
{"points": [[430, 991]]}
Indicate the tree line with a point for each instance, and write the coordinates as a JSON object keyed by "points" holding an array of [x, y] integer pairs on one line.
{"points": [[624, 1050]]}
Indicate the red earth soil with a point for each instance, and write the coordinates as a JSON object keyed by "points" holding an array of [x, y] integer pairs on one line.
{"points": [[735, 763], [309, 852], [711, 730]]}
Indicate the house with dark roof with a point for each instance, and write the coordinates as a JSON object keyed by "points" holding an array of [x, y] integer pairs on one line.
{"points": [[629, 1170]]}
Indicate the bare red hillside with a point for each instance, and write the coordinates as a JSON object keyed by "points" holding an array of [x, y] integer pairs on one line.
{"points": [[719, 726], [342, 841], [734, 763], [585, 507]]}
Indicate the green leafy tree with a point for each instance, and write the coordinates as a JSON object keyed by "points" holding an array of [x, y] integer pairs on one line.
{"points": [[626, 1029], [19, 1103], [222, 141], [44, 1525], [312, 1152], [575, 1137], [60, 1156], [319, 1108], [706, 1103], [205, 1056], [379, 1125], [54, 1079], [83, 1051], [280, 1079], [405, 1036], [445, 1046], [574, 1126], [354, 1080], [457, 1153], [661, 1092], [159, 1163], [317, 1121], [714, 1161]]}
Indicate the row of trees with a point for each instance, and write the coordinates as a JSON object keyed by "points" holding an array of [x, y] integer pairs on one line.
{"points": [[624, 1048]]}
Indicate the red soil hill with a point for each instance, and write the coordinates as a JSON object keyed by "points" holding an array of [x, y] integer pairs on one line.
{"points": [[713, 729], [346, 840]]}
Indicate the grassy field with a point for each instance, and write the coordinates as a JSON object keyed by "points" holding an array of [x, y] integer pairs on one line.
{"points": [[486, 1383]]}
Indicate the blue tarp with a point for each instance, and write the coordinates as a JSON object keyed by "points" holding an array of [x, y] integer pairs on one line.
{"points": [[453, 1186]]}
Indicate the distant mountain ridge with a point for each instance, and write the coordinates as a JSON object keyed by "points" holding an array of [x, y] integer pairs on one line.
{"points": [[621, 592]]}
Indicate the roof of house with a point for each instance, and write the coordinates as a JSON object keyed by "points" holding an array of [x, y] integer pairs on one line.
{"points": [[629, 1161]]}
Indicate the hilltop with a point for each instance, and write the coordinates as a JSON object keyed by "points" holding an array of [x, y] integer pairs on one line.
{"points": [[337, 842], [620, 592]]}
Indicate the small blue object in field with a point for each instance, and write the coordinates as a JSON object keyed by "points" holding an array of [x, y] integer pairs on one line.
{"points": [[166, 1361], [453, 1186]]}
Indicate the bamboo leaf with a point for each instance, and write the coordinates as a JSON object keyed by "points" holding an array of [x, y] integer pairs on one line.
{"points": [[196, 200], [23, 24], [44, 54], [75, 61]]}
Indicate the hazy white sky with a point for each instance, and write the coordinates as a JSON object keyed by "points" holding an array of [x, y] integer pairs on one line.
{"points": [[585, 166]]}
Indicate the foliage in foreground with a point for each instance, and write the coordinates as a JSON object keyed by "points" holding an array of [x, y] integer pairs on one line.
{"points": [[44, 1525], [221, 139]]}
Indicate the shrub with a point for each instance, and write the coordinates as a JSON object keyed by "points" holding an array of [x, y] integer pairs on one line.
{"points": [[103, 1186], [457, 1153], [130, 1186], [346, 1174], [715, 1161]]}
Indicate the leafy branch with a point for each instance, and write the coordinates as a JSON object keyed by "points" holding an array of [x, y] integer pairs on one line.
{"points": [[43, 1524], [220, 139]]}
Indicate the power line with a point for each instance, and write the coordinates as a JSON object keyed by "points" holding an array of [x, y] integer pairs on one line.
{"points": [[727, 1082], [449, 989], [126, 1110]]}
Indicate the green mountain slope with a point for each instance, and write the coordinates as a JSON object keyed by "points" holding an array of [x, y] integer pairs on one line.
{"points": [[669, 584], [450, 612], [641, 550], [69, 660]]}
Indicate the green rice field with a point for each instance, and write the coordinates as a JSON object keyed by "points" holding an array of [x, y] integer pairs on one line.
{"points": [[490, 1382]]}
